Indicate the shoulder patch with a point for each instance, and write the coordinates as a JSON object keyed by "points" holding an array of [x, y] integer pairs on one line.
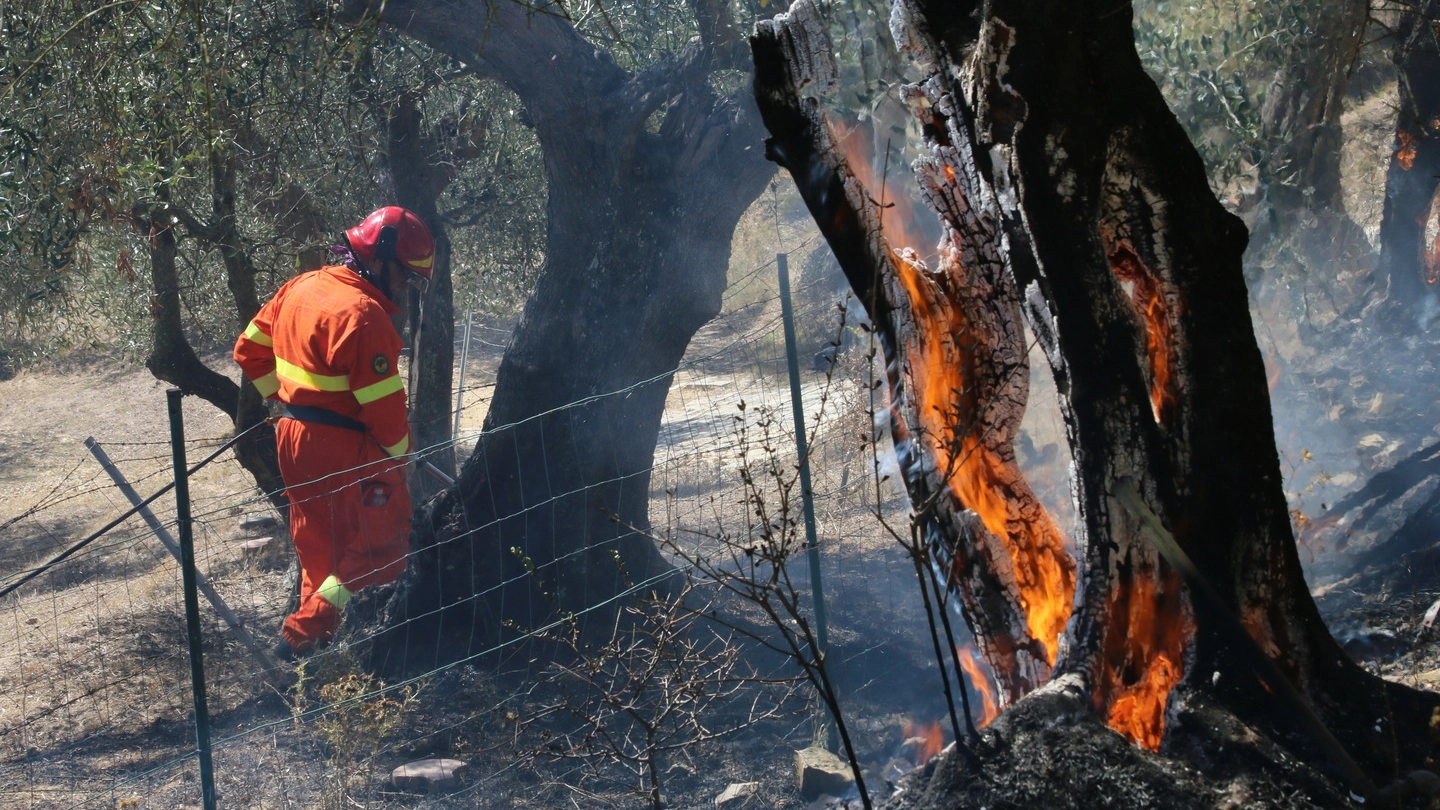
{"points": [[381, 365]]}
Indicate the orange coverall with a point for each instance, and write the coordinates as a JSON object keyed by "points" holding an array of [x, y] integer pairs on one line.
{"points": [[325, 340]]}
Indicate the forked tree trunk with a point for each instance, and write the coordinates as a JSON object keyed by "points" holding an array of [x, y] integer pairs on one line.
{"points": [[551, 509], [1047, 146], [1410, 229]]}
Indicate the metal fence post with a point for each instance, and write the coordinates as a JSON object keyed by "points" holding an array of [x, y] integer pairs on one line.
{"points": [[460, 388], [807, 495], [192, 597]]}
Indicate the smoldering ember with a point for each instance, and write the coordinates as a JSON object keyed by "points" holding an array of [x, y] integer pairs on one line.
{"points": [[815, 404]]}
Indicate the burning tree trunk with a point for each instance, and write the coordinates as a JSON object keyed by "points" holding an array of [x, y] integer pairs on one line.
{"points": [[1057, 170], [639, 229], [958, 372], [1410, 230]]}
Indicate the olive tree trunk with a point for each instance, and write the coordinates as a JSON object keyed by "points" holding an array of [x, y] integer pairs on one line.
{"points": [[551, 510], [1048, 147]]}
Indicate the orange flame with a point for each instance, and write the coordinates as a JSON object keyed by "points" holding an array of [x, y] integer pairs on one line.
{"points": [[981, 683], [951, 424], [1156, 630], [931, 740], [1149, 301], [1405, 150]]}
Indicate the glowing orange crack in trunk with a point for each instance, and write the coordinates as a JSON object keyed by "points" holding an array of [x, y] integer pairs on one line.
{"points": [[1145, 660], [1148, 300]]}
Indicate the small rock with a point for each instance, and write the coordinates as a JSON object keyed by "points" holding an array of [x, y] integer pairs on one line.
{"points": [[821, 772], [737, 795], [429, 776], [258, 523], [256, 546]]}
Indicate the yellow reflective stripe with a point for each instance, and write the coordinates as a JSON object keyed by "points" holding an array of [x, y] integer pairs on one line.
{"points": [[254, 334], [384, 388], [332, 591], [267, 385], [319, 382], [399, 448]]}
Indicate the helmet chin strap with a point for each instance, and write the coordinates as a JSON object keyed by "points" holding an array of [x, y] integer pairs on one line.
{"points": [[381, 281]]}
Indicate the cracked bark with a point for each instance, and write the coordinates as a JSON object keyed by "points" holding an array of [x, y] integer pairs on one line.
{"points": [[638, 243], [1131, 279]]}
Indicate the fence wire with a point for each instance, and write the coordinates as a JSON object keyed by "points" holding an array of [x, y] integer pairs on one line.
{"points": [[96, 708]]}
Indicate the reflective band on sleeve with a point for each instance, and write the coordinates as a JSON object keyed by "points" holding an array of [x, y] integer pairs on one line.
{"points": [[384, 388], [253, 333], [267, 385], [333, 592], [399, 448], [319, 382]]}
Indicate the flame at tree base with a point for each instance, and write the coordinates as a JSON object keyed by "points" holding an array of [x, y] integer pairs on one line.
{"points": [[1144, 657], [980, 682]]}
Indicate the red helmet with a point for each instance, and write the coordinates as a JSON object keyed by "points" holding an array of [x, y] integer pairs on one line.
{"points": [[394, 233]]}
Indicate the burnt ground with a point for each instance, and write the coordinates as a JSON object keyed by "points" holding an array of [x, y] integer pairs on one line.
{"points": [[115, 729], [96, 708]]}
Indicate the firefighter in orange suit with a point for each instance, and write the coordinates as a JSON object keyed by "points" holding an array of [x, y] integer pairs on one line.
{"points": [[325, 346]]}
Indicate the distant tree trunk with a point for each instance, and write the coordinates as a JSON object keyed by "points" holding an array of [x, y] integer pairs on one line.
{"points": [[1300, 230], [1301, 118], [638, 243], [257, 452], [171, 358], [421, 168], [1060, 156], [1410, 230]]}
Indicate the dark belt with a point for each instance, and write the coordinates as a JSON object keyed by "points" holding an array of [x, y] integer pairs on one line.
{"points": [[322, 416]]}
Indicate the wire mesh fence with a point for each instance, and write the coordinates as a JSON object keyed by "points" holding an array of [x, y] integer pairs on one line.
{"points": [[96, 708]]}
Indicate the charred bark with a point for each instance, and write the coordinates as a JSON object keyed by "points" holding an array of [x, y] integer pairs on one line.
{"points": [[954, 350], [1132, 281], [551, 509], [1410, 228]]}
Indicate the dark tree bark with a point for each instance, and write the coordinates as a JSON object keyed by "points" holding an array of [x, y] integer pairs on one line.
{"points": [[1410, 229], [1044, 138], [638, 242], [172, 359], [422, 164], [1301, 119], [257, 452]]}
